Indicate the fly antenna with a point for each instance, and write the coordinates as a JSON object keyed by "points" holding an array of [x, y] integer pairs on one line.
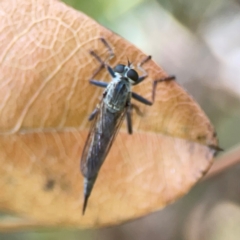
{"points": [[129, 63]]}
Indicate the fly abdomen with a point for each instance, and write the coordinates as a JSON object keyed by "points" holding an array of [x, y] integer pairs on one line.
{"points": [[88, 185]]}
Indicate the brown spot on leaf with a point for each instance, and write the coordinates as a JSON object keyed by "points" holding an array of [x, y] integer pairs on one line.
{"points": [[49, 185]]}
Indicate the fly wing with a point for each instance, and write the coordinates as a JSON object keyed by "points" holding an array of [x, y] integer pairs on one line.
{"points": [[102, 133], [99, 141]]}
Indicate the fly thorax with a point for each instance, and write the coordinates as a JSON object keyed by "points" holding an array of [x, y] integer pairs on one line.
{"points": [[117, 94]]}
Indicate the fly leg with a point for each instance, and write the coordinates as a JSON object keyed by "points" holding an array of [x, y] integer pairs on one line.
{"points": [[140, 79], [98, 83], [130, 107], [129, 118], [155, 83], [143, 100], [102, 63], [96, 110], [145, 74], [93, 114]]}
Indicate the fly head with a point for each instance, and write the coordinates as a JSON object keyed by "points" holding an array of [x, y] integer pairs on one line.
{"points": [[127, 72]]}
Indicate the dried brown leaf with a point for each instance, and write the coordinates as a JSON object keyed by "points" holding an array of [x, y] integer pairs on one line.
{"points": [[45, 100]]}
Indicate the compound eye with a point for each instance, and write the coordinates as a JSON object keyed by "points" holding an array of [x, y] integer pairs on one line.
{"points": [[133, 75], [119, 68]]}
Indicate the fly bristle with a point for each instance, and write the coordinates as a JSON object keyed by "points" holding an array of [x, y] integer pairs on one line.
{"points": [[129, 63]]}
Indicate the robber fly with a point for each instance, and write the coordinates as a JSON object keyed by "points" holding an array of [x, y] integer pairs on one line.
{"points": [[107, 118]]}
